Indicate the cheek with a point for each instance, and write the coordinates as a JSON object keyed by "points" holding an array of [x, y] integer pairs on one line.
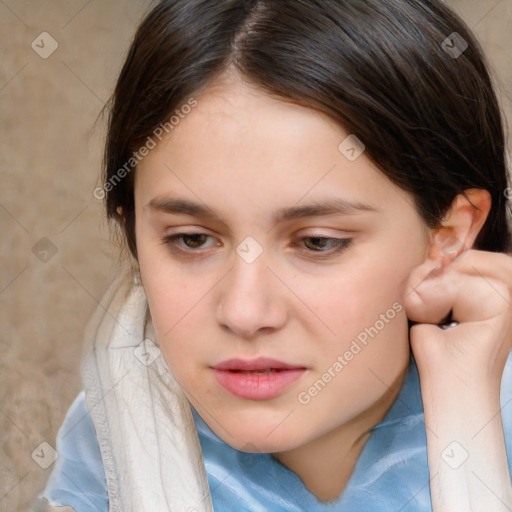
{"points": [[174, 306], [181, 310], [364, 308], [354, 299], [168, 295]]}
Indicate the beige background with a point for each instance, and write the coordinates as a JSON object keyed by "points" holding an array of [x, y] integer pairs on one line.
{"points": [[50, 150]]}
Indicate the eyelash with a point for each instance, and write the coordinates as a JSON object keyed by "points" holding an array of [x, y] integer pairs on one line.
{"points": [[340, 244]]}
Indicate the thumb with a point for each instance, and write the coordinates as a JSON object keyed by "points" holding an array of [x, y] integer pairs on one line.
{"points": [[430, 292]]}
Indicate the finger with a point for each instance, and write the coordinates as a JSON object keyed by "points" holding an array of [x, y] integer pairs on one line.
{"points": [[417, 293], [497, 266], [470, 296], [495, 269]]}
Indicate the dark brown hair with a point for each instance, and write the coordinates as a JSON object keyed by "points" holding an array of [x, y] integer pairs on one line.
{"points": [[392, 72]]}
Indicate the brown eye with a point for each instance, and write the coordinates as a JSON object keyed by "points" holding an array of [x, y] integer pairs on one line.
{"points": [[319, 244], [191, 241], [194, 241]]}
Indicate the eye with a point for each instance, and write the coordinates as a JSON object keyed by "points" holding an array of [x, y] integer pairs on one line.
{"points": [[319, 244], [191, 241]]}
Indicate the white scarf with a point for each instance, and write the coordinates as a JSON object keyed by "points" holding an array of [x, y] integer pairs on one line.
{"points": [[148, 440]]}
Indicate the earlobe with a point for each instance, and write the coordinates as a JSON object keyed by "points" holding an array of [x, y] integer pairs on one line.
{"points": [[460, 226], [120, 217]]}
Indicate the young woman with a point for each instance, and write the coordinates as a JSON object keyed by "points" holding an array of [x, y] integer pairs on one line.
{"points": [[313, 193]]}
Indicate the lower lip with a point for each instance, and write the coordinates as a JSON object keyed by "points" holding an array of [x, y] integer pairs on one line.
{"points": [[257, 386]]}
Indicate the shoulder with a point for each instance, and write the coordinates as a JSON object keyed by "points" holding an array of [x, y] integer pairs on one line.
{"points": [[78, 477]]}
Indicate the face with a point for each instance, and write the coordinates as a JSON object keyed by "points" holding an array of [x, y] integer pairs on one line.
{"points": [[294, 251]]}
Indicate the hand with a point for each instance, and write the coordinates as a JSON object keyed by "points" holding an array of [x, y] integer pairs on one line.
{"points": [[475, 290], [460, 373]]}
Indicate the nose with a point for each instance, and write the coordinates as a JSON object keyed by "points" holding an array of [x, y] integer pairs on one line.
{"points": [[253, 300]]}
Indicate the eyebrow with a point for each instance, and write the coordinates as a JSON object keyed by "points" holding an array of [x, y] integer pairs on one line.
{"points": [[320, 207]]}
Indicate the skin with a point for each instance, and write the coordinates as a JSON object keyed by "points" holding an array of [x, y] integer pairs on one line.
{"points": [[245, 154]]}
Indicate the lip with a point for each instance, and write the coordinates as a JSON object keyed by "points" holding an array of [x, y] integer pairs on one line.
{"points": [[260, 363], [256, 386]]}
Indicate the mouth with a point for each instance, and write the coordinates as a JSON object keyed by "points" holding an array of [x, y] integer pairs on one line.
{"points": [[261, 364], [256, 379], [260, 372]]}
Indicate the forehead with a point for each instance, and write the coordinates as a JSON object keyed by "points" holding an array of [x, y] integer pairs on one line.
{"points": [[244, 117], [242, 146]]}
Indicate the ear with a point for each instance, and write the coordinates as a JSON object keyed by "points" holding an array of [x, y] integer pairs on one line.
{"points": [[460, 226], [121, 218]]}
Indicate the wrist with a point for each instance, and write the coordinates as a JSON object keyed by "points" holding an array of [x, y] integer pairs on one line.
{"points": [[465, 443]]}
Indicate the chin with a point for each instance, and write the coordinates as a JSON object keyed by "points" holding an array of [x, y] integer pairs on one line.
{"points": [[264, 438], [258, 444]]}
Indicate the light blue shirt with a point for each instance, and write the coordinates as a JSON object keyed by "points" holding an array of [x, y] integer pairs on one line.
{"points": [[391, 473]]}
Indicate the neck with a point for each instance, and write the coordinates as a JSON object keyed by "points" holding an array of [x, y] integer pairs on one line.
{"points": [[325, 465]]}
